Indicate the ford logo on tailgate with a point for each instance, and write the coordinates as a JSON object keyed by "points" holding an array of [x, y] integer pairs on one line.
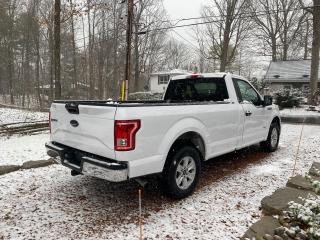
{"points": [[74, 123]]}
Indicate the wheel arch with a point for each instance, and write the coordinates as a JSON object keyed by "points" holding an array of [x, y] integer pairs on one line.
{"points": [[188, 131], [190, 138], [277, 120]]}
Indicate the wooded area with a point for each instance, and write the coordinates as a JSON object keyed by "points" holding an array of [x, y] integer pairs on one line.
{"points": [[75, 49]]}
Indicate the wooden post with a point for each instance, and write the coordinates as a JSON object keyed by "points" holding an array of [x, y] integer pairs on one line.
{"points": [[140, 214]]}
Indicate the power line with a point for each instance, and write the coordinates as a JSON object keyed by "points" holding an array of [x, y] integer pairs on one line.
{"points": [[240, 16], [262, 11], [194, 46]]}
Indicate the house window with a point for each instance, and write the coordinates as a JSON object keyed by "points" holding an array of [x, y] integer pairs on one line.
{"points": [[163, 79]]}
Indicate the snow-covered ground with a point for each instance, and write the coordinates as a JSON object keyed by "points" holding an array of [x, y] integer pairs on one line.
{"points": [[9, 115], [48, 203], [18, 149], [298, 112]]}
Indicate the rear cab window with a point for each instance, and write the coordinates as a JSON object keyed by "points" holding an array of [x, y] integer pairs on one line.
{"points": [[198, 89]]}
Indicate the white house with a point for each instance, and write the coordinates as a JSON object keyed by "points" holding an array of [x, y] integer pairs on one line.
{"points": [[159, 80]]}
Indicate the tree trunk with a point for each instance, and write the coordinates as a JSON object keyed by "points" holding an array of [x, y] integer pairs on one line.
{"points": [[274, 49], [11, 72], [38, 68], [306, 37], [226, 40], [51, 53], [37, 46], [314, 75], [57, 49], [74, 59], [91, 79], [84, 60], [285, 48], [224, 51], [136, 62]]}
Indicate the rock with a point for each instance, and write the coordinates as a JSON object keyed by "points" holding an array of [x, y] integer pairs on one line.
{"points": [[278, 201], [37, 164], [277, 238], [299, 182], [315, 169], [279, 231], [302, 236], [8, 169], [291, 234], [267, 237], [265, 226]]}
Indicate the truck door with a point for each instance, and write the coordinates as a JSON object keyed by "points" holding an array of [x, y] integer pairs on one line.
{"points": [[255, 122]]}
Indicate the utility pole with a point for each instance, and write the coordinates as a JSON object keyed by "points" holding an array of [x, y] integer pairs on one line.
{"points": [[57, 47], [125, 82]]}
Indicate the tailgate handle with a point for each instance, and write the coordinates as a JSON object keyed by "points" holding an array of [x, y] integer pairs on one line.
{"points": [[72, 108]]}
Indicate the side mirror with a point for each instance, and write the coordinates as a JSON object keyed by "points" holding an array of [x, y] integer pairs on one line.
{"points": [[267, 101]]}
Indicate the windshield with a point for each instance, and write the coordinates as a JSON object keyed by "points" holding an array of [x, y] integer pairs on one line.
{"points": [[199, 89]]}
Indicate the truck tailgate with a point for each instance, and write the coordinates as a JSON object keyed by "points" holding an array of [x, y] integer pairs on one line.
{"points": [[90, 130]]}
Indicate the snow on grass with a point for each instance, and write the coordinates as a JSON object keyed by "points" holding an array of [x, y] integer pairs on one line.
{"points": [[18, 149], [9, 115], [301, 111], [48, 203]]}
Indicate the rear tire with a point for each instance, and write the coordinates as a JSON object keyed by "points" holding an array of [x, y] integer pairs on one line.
{"points": [[272, 142], [182, 172]]}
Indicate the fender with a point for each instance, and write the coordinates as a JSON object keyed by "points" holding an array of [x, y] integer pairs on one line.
{"points": [[275, 114], [178, 129]]}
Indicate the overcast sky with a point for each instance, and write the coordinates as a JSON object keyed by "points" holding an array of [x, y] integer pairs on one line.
{"points": [[184, 8], [178, 9]]}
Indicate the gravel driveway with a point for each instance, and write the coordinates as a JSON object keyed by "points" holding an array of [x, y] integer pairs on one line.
{"points": [[48, 203]]}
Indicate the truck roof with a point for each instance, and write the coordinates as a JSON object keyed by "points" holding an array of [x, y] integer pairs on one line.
{"points": [[206, 75]]}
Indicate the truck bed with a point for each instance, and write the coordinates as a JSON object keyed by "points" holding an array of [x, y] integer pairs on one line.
{"points": [[139, 103]]}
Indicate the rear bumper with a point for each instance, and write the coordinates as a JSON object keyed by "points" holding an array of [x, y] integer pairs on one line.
{"points": [[88, 164]]}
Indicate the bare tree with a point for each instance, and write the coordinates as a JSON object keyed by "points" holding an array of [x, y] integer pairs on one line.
{"points": [[291, 22], [177, 55], [269, 24], [50, 49], [227, 29]]}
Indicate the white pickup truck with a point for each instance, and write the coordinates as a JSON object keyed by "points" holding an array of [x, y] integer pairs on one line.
{"points": [[200, 117]]}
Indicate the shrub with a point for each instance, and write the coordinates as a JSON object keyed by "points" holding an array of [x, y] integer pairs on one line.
{"points": [[288, 99], [145, 96]]}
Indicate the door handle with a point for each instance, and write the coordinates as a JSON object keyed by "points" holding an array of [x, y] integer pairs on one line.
{"points": [[248, 113]]}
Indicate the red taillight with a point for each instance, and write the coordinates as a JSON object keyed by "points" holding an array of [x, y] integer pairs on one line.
{"points": [[125, 134], [50, 122], [194, 76]]}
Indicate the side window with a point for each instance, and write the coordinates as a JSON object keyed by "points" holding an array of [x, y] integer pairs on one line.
{"points": [[246, 92]]}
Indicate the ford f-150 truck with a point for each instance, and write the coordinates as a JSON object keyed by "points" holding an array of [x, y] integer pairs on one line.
{"points": [[201, 116]]}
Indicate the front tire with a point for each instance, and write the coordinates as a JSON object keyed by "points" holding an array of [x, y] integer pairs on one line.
{"points": [[181, 173], [272, 142]]}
